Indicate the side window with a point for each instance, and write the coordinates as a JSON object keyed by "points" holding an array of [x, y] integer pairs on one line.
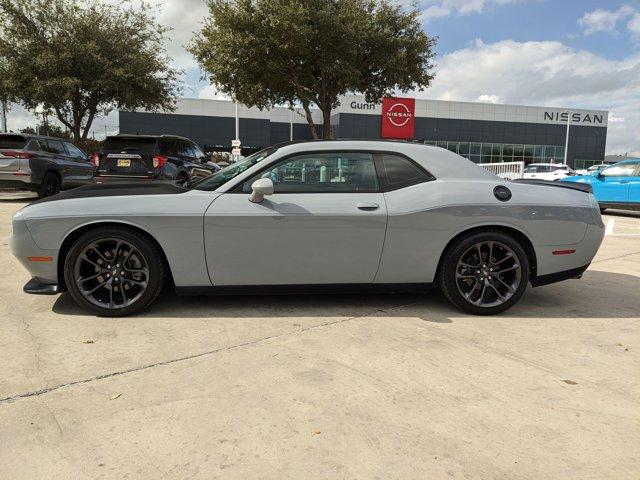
{"points": [[399, 172], [322, 173], [168, 146], [624, 170], [185, 149], [54, 146], [33, 146], [197, 152], [74, 151]]}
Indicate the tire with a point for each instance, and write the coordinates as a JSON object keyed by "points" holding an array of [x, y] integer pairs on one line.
{"points": [[126, 286], [50, 185], [459, 272], [602, 210]]}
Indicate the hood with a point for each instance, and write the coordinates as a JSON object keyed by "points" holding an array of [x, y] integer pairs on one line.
{"points": [[581, 179], [116, 190]]}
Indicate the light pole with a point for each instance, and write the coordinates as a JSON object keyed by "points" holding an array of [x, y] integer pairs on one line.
{"points": [[566, 144], [290, 122]]}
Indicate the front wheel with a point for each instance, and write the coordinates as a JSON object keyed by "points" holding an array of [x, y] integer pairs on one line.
{"points": [[485, 273], [114, 271]]}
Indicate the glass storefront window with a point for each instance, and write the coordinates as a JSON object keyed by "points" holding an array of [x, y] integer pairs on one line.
{"points": [[498, 152], [518, 151], [486, 150], [507, 152]]}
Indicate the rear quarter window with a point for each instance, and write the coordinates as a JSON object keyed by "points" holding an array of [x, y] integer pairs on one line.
{"points": [[397, 172], [12, 141], [133, 145]]}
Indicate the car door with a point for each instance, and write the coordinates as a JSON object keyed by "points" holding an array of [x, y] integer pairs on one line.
{"points": [[612, 183], [634, 187], [64, 164], [324, 224], [83, 169]]}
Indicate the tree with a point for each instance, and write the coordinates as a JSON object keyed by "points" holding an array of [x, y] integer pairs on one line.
{"points": [[84, 58], [48, 130], [269, 52]]}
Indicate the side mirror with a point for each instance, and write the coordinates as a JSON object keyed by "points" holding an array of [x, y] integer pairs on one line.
{"points": [[260, 188]]}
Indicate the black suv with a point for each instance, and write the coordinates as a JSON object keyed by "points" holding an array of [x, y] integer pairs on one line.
{"points": [[150, 157], [42, 164]]}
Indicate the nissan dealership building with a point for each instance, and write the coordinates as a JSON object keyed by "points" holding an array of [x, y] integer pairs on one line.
{"points": [[482, 132]]}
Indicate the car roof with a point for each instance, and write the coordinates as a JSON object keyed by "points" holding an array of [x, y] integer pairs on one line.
{"points": [[124, 136], [559, 165], [28, 136], [630, 160]]}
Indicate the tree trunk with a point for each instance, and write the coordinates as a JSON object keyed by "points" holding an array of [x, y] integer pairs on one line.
{"points": [[309, 116], [327, 133], [3, 116]]}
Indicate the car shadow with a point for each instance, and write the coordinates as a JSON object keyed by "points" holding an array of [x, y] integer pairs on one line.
{"points": [[597, 295], [622, 213]]}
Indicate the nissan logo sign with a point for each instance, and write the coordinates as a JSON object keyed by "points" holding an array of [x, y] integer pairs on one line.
{"points": [[399, 114]]}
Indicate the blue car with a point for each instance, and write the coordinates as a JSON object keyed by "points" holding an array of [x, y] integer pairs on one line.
{"points": [[616, 186]]}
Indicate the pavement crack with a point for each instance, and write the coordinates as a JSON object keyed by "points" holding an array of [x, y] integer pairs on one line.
{"points": [[42, 391], [616, 258]]}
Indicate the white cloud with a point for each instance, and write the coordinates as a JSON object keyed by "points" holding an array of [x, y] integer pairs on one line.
{"points": [[546, 74], [444, 8], [488, 99], [601, 20], [210, 92], [634, 24]]}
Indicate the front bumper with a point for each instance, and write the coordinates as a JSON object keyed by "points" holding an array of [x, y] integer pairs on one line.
{"points": [[36, 286]]}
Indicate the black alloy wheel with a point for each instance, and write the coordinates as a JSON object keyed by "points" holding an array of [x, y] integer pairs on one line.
{"points": [[50, 185], [114, 271], [485, 273]]}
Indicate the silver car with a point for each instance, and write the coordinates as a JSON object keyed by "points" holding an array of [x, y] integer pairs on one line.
{"points": [[338, 215]]}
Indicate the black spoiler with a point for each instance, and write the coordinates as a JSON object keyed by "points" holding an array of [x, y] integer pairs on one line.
{"points": [[582, 187]]}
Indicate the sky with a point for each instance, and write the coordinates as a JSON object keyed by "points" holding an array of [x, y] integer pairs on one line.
{"points": [[562, 53]]}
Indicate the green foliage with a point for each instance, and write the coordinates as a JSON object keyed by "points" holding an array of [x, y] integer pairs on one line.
{"points": [[84, 58], [270, 52], [48, 130]]}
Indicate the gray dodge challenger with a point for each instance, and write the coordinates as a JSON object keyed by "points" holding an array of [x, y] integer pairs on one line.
{"points": [[306, 217]]}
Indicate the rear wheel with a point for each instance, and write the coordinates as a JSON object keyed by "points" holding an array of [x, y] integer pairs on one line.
{"points": [[485, 273], [114, 271], [50, 185]]}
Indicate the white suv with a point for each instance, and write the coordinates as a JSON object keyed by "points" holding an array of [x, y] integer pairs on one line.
{"points": [[548, 171]]}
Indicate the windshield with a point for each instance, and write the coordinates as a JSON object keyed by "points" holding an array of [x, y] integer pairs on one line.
{"points": [[231, 171]]}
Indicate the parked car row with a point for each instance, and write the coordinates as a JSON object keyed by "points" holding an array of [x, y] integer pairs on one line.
{"points": [[614, 186], [47, 165]]}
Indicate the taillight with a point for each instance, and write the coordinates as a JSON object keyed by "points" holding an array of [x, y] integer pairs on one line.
{"points": [[14, 154], [95, 159], [159, 161]]}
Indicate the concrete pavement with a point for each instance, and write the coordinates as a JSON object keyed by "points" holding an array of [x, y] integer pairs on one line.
{"points": [[344, 387]]}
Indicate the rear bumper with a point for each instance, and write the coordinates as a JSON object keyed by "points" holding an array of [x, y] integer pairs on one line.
{"points": [[42, 264], [21, 179], [558, 276]]}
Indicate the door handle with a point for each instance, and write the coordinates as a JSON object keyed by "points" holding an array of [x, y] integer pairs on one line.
{"points": [[624, 181], [367, 206]]}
